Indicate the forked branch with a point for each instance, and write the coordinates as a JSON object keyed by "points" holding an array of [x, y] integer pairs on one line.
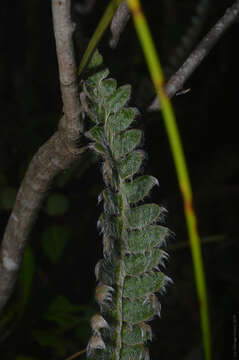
{"points": [[57, 154]]}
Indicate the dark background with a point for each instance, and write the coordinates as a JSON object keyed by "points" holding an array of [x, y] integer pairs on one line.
{"points": [[48, 314]]}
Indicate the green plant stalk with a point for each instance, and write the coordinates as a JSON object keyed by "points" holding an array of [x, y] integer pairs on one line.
{"points": [[156, 73], [99, 31]]}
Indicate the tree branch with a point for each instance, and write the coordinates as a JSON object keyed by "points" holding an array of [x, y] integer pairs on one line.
{"points": [[177, 81], [63, 30], [57, 154], [118, 23]]}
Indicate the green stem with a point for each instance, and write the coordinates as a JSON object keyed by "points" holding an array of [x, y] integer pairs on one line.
{"points": [[99, 31], [156, 73]]}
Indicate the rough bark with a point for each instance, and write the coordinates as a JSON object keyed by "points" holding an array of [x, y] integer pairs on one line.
{"points": [[57, 154]]}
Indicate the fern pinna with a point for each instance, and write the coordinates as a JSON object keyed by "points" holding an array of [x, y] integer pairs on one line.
{"points": [[128, 275]]}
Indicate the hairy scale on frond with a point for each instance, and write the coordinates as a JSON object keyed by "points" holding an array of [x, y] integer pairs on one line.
{"points": [[129, 275]]}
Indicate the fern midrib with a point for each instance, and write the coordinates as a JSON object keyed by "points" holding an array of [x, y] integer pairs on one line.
{"points": [[121, 272], [120, 285]]}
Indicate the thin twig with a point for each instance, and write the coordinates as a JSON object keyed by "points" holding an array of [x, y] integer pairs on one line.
{"points": [[177, 81], [119, 23], [57, 154], [76, 354], [204, 241]]}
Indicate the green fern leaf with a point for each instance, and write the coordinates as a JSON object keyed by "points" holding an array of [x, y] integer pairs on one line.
{"points": [[141, 216], [129, 275], [118, 99], [121, 120], [139, 188], [131, 164]]}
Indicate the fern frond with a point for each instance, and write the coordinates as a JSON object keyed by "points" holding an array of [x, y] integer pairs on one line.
{"points": [[128, 276]]}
